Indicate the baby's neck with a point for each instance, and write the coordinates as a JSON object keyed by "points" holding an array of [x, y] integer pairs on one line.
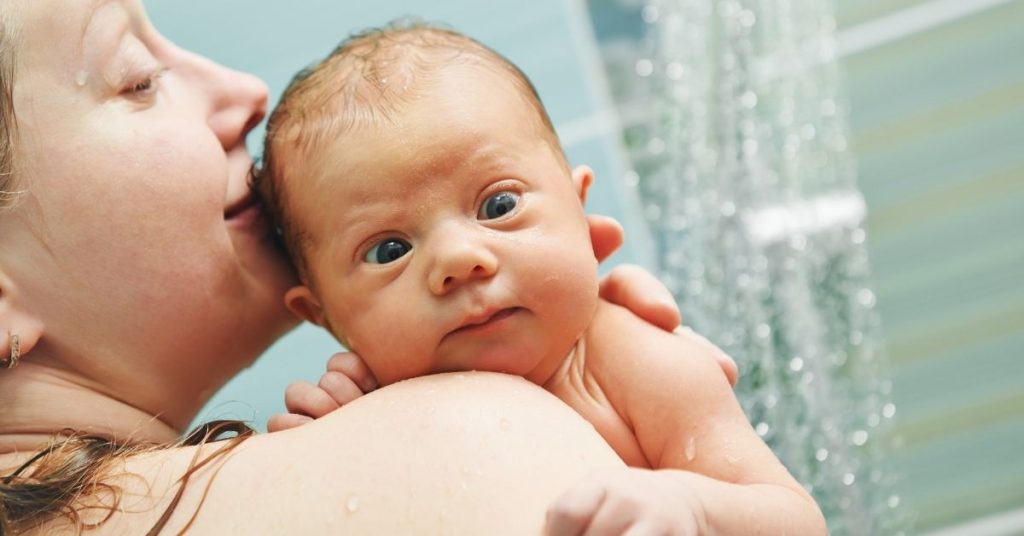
{"points": [[572, 365]]}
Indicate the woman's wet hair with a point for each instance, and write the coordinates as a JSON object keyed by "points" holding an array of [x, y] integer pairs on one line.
{"points": [[73, 478], [366, 81], [8, 124]]}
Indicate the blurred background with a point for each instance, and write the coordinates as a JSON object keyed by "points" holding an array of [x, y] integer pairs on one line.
{"points": [[758, 154]]}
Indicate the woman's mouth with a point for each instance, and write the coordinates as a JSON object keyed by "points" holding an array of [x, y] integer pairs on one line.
{"points": [[241, 206], [247, 214]]}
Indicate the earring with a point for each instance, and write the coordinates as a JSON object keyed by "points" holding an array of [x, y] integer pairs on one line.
{"points": [[12, 361]]}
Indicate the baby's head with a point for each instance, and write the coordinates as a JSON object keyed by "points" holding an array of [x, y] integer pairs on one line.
{"points": [[434, 220]]}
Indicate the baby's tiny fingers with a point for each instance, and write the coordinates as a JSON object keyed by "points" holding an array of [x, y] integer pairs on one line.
{"points": [[647, 528], [340, 387], [285, 421], [572, 512], [308, 399], [351, 365]]}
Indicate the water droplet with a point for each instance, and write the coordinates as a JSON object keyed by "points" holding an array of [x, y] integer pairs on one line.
{"points": [[691, 449], [796, 364], [82, 77], [352, 505], [874, 420], [849, 479], [748, 99], [650, 14], [858, 236], [644, 67], [860, 437], [798, 242], [888, 410], [894, 501], [674, 70], [656, 146], [728, 209], [821, 455], [762, 429], [866, 297], [632, 178], [747, 18]]}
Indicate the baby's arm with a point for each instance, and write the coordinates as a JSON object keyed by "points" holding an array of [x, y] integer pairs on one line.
{"points": [[713, 473]]}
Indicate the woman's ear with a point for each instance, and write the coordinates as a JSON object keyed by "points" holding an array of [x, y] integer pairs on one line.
{"points": [[582, 178], [303, 304], [20, 329]]}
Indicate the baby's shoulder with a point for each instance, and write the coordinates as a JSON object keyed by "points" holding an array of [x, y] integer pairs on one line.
{"points": [[622, 344]]}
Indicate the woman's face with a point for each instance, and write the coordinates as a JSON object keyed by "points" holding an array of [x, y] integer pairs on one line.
{"points": [[135, 240]]}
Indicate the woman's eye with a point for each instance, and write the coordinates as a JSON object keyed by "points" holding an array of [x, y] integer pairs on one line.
{"points": [[144, 86], [386, 251], [498, 205]]}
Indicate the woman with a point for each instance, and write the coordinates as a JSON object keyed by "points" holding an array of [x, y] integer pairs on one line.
{"points": [[137, 276]]}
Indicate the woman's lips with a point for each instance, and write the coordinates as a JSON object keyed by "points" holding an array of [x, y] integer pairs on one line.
{"points": [[247, 214], [244, 204]]}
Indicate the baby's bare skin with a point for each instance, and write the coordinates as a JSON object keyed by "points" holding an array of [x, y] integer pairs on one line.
{"points": [[468, 249], [662, 406]]}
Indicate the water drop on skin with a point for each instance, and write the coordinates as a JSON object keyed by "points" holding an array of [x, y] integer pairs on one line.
{"points": [[352, 505], [81, 78], [691, 449]]}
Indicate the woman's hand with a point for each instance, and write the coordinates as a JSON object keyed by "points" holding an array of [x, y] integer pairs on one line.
{"points": [[628, 501], [636, 289]]}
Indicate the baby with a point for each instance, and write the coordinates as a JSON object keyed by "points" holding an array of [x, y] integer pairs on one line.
{"points": [[437, 226]]}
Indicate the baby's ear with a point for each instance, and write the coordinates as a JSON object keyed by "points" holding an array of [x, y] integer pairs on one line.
{"points": [[303, 304], [582, 178]]}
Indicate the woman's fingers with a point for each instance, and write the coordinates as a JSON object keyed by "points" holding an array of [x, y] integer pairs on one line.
{"points": [[606, 235], [636, 289], [352, 366]]}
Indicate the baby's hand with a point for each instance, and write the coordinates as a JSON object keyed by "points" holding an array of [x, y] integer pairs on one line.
{"points": [[347, 378], [628, 501]]}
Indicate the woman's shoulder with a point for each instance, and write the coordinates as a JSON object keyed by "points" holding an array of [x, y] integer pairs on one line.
{"points": [[466, 452]]}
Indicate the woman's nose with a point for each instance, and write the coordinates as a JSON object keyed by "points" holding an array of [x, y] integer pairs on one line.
{"points": [[236, 101], [240, 105], [458, 261]]}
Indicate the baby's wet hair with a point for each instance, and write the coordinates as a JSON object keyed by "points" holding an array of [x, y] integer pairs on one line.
{"points": [[366, 81]]}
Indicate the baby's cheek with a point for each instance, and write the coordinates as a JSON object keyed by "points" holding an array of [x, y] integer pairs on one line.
{"points": [[387, 336]]}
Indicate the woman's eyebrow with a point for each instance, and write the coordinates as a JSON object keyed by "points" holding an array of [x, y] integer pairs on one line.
{"points": [[99, 13]]}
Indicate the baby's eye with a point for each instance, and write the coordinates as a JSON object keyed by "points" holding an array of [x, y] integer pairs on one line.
{"points": [[388, 250], [498, 205]]}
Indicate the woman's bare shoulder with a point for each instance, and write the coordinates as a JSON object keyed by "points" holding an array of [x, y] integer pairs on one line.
{"points": [[464, 452]]}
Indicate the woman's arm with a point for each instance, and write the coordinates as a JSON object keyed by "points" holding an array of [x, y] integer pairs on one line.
{"points": [[466, 453]]}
